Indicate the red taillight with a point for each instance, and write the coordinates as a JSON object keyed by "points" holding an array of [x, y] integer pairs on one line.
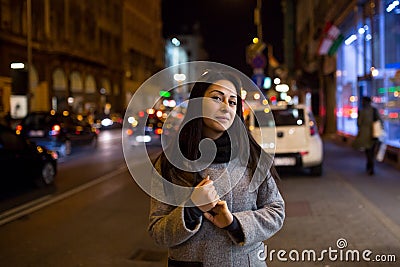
{"points": [[18, 129], [158, 131], [129, 131], [55, 130]]}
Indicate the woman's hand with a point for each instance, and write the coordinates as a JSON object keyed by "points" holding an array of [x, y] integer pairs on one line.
{"points": [[204, 195], [220, 215]]}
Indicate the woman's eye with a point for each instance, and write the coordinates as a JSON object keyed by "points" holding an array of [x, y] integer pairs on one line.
{"points": [[216, 98], [232, 103]]}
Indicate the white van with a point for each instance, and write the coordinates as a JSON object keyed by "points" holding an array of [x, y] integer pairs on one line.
{"points": [[297, 142]]}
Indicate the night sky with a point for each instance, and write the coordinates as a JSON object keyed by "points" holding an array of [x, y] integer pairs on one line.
{"points": [[227, 26]]}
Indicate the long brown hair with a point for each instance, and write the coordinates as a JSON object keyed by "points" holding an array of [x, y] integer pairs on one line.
{"points": [[191, 130]]}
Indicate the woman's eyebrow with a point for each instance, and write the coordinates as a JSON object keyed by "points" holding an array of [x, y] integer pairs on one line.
{"points": [[222, 93]]}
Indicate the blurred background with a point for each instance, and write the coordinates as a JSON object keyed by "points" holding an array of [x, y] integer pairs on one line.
{"points": [[90, 57], [69, 68]]}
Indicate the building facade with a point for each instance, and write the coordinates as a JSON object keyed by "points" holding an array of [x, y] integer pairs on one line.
{"points": [[85, 56], [347, 50]]}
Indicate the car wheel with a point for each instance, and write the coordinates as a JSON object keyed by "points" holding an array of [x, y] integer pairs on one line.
{"points": [[316, 170], [47, 175]]}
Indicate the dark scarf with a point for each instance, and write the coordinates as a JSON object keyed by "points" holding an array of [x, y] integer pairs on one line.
{"points": [[223, 144]]}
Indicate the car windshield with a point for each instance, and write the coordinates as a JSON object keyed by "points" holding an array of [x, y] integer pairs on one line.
{"points": [[282, 117], [38, 120]]}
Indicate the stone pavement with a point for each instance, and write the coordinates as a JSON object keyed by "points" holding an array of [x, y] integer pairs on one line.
{"points": [[344, 204]]}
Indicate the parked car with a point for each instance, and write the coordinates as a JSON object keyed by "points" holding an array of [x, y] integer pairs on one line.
{"points": [[297, 144], [57, 131], [22, 161]]}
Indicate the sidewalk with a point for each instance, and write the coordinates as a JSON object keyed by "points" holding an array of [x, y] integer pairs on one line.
{"points": [[345, 203]]}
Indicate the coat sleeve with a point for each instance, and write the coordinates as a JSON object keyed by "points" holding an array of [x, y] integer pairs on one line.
{"points": [[167, 223], [260, 224]]}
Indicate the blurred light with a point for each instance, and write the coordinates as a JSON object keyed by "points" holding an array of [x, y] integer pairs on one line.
{"points": [[54, 154], [351, 39], [277, 81], [107, 122], [70, 100], [129, 132], [17, 65], [282, 88], [256, 96], [267, 83], [79, 117], [65, 113], [39, 149], [361, 31], [165, 93], [150, 111], [243, 94], [159, 113], [52, 112], [158, 131], [102, 91], [143, 138], [288, 98], [175, 42], [179, 77], [368, 37], [255, 40], [392, 6], [265, 102], [353, 98], [141, 114], [374, 72], [266, 110], [396, 94]]}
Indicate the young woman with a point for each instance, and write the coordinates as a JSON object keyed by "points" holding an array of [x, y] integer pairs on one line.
{"points": [[225, 219]]}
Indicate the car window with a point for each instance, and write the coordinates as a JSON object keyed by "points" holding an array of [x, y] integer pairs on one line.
{"points": [[10, 141], [39, 120], [282, 117], [289, 117]]}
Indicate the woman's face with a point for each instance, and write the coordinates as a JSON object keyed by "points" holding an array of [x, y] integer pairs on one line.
{"points": [[219, 108]]}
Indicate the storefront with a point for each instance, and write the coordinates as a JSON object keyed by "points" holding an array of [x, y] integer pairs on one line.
{"points": [[368, 64]]}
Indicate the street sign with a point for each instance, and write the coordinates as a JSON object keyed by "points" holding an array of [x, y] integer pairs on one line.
{"points": [[259, 61]]}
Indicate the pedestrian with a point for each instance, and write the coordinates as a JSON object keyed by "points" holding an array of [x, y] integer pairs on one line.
{"points": [[365, 139], [224, 219]]}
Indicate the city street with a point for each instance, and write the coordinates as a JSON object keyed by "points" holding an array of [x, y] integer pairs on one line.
{"points": [[96, 215]]}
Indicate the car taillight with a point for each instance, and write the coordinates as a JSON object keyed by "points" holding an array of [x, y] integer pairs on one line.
{"points": [[55, 130], [158, 131], [18, 129], [129, 131]]}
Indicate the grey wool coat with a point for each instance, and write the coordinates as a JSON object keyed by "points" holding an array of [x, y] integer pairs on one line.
{"points": [[260, 213]]}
